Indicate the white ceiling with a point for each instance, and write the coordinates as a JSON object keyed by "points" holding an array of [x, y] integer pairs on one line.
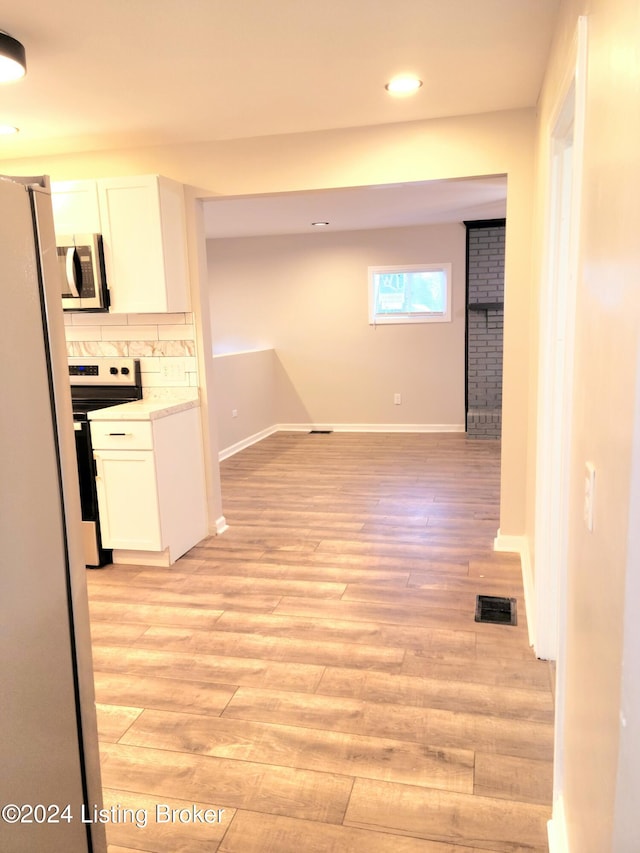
{"points": [[356, 208], [130, 73], [126, 73]]}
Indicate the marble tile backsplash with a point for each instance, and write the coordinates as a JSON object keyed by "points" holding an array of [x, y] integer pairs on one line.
{"points": [[164, 343]]}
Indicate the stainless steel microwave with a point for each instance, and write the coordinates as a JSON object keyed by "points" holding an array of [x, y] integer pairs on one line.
{"points": [[82, 274]]}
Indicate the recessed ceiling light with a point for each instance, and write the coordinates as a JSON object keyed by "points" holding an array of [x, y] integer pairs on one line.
{"points": [[7, 129], [403, 85], [320, 224], [13, 63]]}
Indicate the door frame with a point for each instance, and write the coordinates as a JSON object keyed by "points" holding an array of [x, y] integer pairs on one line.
{"points": [[558, 294]]}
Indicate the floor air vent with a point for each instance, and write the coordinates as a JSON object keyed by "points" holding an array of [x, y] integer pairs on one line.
{"points": [[320, 431], [492, 608]]}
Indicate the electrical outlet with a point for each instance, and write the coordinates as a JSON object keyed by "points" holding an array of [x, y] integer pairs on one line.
{"points": [[589, 494], [172, 369], [234, 413], [397, 399]]}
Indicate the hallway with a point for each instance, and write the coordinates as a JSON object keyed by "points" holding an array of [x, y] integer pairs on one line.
{"points": [[317, 673]]}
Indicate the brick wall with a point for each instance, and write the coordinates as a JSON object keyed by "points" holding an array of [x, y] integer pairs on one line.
{"points": [[485, 324]]}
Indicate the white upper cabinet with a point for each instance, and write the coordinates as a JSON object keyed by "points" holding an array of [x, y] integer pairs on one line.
{"points": [[76, 207], [143, 226], [142, 222]]}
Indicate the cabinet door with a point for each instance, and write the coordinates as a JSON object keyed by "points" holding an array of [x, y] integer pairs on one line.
{"points": [[76, 208], [128, 500], [145, 244]]}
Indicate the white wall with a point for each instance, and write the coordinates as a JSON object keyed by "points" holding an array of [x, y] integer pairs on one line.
{"points": [[307, 296], [602, 568], [245, 397]]}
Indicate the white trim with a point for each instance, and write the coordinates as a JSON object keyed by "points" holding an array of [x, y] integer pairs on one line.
{"points": [[221, 525], [241, 352], [558, 286], [557, 829], [529, 591], [556, 338], [226, 452], [372, 427], [380, 318], [508, 544], [520, 545]]}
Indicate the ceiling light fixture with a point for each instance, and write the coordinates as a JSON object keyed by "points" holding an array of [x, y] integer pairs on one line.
{"points": [[13, 60], [7, 129], [403, 85], [320, 224]]}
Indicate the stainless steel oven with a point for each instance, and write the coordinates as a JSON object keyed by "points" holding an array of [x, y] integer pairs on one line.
{"points": [[82, 273], [97, 383]]}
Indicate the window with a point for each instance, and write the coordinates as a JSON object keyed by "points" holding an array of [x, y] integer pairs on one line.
{"points": [[410, 294]]}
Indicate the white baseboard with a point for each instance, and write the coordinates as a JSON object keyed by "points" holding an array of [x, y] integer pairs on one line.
{"points": [[520, 545], [508, 544], [557, 829], [372, 427], [529, 590], [221, 525], [246, 442]]}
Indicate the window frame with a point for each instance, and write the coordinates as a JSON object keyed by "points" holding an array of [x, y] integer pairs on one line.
{"points": [[378, 319]]}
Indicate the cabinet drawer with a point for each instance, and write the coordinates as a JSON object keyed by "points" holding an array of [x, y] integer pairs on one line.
{"points": [[121, 435]]}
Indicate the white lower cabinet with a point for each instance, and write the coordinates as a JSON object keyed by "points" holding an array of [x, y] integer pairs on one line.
{"points": [[151, 489], [128, 500]]}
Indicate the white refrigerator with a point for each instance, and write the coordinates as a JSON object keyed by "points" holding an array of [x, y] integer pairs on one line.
{"points": [[49, 767]]}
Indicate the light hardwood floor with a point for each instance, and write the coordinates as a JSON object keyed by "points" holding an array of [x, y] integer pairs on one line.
{"points": [[317, 673]]}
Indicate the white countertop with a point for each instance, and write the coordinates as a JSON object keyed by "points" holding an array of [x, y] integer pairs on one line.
{"points": [[158, 404]]}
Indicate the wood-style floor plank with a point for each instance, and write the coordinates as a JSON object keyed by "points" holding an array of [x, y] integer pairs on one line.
{"points": [[116, 633], [323, 573], [531, 675], [238, 585], [528, 780], [164, 825], [344, 631], [219, 669], [148, 614], [114, 720], [198, 600], [418, 614], [305, 749], [482, 822], [431, 693], [252, 832], [238, 644], [225, 783], [162, 694], [454, 729], [317, 672]]}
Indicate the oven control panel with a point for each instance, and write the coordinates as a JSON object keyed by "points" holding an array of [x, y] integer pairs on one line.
{"points": [[85, 370]]}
